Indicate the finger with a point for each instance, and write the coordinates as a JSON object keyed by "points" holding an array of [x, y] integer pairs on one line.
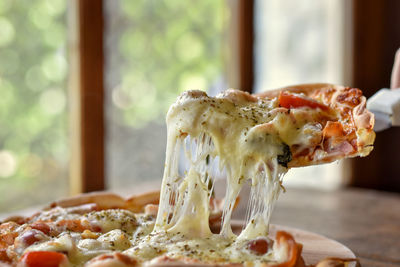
{"points": [[395, 80]]}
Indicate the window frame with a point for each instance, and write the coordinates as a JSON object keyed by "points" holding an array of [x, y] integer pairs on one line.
{"points": [[86, 87]]}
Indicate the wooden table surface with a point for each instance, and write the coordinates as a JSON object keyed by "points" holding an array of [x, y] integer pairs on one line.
{"points": [[366, 221]]}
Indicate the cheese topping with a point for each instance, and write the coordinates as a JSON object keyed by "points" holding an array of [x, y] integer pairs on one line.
{"points": [[249, 139], [231, 128]]}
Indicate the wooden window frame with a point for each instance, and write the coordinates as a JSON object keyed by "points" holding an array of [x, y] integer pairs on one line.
{"points": [[246, 45], [87, 168]]}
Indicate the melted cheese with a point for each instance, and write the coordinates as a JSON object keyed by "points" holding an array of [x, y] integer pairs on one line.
{"points": [[111, 219], [245, 136], [234, 130], [249, 138]]}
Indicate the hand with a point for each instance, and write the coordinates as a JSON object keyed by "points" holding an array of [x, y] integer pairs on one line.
{"points": [[395, 80]]}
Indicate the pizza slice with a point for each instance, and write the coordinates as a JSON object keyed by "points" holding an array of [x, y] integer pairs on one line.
{"points": [[319, 122], [254, 138]]}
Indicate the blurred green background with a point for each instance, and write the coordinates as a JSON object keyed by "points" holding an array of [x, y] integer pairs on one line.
{"points": [[33, 102], [158, 49]]}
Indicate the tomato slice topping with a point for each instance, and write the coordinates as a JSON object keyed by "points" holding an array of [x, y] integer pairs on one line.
{"points": [[289, 100], [43, 259], [41, 226], [258, 246]]}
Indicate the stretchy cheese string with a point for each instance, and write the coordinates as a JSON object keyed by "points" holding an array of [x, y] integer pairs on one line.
{"points": [[184, 202]]}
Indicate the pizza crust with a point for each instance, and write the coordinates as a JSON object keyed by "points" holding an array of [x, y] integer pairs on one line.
{"points": [[106, 200]]}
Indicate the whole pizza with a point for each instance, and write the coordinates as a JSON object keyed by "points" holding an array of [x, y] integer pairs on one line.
{"points": [[251, 139]]}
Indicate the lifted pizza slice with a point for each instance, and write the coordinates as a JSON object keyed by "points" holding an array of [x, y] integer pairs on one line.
{"points": [[254, 138]]}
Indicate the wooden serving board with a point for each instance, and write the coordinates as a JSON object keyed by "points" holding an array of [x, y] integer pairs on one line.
{"points": [[315, 247]]}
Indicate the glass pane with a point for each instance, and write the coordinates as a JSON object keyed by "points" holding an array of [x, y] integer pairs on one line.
{"points": [[33, 102], [305, 46], [155, 50]]}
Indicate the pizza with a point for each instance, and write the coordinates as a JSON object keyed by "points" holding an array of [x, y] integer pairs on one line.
{"points": [[99, 229], [251, 139]]}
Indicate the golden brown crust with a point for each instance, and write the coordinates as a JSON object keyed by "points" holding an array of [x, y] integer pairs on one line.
{"points": [[293, 250], [138, 202], [355, 120], [105, 200], [112, 260]]}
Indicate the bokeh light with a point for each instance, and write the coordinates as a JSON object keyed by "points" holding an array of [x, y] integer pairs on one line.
{"points": [[54, 67], [53, 101], [8, 164], [7, 32], [121, 98], [189, 46], [35, 79]]}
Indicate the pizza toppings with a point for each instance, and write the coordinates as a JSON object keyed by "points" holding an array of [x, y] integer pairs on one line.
{"points": [[286, 156], [41, 226], [31, 236], [3, 256], [44, 259], [89, 234], [259, 246], [82, 209], [292, 100], [107, 220]]}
